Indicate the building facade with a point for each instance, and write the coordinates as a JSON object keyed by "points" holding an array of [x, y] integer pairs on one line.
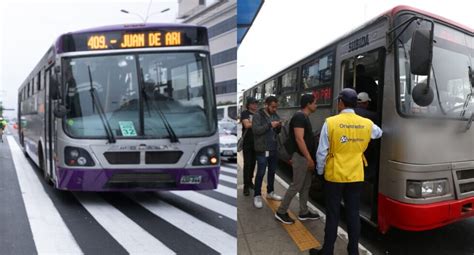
{"points": [[220, 17]]}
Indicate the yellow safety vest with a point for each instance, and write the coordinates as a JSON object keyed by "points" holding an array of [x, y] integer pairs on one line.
{"points": [[349, 135]]}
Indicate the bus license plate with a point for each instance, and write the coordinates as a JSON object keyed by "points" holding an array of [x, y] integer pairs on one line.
{"points": [[191, 179]]}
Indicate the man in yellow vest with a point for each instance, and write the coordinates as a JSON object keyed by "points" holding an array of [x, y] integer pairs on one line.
{"points": [[340, 157]]}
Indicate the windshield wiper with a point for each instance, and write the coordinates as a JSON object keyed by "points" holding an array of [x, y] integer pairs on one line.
{"points": [[470, 74], [172, 135], [469, 122], [437, 91], [468, 99], [100, 110]]}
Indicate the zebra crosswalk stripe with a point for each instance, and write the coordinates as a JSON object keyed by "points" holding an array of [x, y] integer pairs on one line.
{"points": [[52, 236], [50, 233], [228, 178], [132, 237], [213, 237], [209, 203], [228, 170], [226, 191]]}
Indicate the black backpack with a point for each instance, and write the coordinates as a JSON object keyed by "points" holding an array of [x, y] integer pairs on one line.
{"points": [[282, 140]]}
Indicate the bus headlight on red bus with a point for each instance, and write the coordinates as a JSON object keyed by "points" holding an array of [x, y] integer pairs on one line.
{"points": [[77, 157], [207, 156], [424, 189]]}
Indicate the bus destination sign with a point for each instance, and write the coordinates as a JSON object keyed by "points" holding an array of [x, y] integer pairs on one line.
{"points": [[134, 40], [130, 38], [323, 95]]}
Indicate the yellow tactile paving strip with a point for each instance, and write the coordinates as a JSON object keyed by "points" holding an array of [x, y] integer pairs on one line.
{"points": [[297, 231]]}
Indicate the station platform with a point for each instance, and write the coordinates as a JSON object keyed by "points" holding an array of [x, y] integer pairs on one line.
{"points": [[259, 233]]}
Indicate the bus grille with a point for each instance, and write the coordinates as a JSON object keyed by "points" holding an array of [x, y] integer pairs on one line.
{"points": [[465, 180], [122, 158], [162, 157], [467, 187], [141, 180]]}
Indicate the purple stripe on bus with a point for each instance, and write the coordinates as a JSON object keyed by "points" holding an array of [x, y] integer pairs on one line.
{"points": [[96, 179]]}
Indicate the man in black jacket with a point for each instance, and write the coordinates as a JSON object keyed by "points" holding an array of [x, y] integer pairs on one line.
{"points": [[266, 125], [248, 146]]}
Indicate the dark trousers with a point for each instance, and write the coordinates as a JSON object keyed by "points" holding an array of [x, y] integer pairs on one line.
{"points": [[262, 163], [249, 165], [333, 193]]}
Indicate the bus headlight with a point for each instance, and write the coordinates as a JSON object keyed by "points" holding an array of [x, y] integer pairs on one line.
{"points": [[77, 157], [207, 156], [424, 189], [203, 160]]}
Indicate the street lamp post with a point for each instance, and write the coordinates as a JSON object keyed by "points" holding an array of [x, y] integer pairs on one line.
{"points": [[147, 13]]}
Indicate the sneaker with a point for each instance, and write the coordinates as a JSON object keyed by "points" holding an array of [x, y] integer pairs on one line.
{"points": [[257, 202], [273, 196], [284, 218], [246, 191], [308, 216]]}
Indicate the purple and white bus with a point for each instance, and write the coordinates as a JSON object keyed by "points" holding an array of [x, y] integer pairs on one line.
{"points": [[126, 107]]}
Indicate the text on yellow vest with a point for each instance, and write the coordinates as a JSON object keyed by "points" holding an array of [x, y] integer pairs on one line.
{"points": [[349, 136]]}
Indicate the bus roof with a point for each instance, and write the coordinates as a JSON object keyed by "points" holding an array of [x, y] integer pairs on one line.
{"points": [[394, 11], [131, 27], [390, 13]]}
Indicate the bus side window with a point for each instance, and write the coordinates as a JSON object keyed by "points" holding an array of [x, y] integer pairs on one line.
{"points": [[232, 112], [220, 113]]}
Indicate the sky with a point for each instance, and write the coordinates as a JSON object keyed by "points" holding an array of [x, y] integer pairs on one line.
{"points": [[28, 28], [286, 31]]}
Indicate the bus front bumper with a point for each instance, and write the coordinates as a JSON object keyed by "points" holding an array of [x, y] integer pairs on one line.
{"points": [[418, 217], [75, 179]]}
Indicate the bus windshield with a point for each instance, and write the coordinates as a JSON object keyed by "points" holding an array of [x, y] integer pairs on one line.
{"points": [[152, 95], [453, 54]]}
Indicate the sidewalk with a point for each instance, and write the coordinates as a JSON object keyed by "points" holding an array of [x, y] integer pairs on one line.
{"points": [[259, 233]]}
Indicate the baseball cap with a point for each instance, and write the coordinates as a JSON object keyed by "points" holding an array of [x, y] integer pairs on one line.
{"points": [[348, 95], [363, 97], [251, 100]]}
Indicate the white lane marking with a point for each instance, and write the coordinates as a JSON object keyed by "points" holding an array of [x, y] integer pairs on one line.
{"points": [[51, 235], [130, 235], [207, 234], [228, 170], [340, 231], [227, 191], [228, 179], [209, 203]]}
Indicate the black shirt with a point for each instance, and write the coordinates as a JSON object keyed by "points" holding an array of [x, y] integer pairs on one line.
{"points": [[300, 120], [367, 114], [248, 139]]}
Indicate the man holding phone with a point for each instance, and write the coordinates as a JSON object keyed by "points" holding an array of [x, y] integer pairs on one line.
{"points": [[266, 126]]}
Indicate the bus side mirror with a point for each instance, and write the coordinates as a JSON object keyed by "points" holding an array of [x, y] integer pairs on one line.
{"points": [[421, 53], [422, 94], [60, 111]]}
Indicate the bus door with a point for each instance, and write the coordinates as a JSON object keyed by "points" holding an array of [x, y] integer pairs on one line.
{"points": [[365, 73], [48, 124]]}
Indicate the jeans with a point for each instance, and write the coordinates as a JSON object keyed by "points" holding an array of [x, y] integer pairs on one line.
{"points": [[249, 165], [262, 163], [333, 193]]}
